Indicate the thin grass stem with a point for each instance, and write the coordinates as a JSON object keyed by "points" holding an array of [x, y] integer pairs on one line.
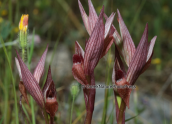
{"points": [[13, 82], [106, 91], [29, 61]]}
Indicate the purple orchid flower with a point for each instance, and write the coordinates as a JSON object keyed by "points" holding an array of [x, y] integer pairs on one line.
{"points": [[45, 98], [137, 60]]}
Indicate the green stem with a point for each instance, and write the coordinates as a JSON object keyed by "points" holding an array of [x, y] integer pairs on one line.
{"points": [[45, 116], [121, 112], [32, 109], [6, 106], [72, 110], [106, 92]]}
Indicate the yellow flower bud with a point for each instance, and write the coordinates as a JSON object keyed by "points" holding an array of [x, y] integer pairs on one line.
{"points": [[23, 24]]}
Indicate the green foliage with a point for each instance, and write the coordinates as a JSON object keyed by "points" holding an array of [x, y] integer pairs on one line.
{"points": [[1, 120], [5, 29]]}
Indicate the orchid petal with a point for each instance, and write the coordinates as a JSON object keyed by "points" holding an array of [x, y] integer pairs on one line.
{"points": [[48, 82], [92, 16], [23, 92], [30, 83], [108, 24], [128, 44], [18, 68], [94, 46], [77, 70], [49, 92], [39, 70], [139, 58], [84, 17]]}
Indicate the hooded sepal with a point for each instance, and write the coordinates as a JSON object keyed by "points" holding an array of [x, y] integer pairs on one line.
{"points": [[94, 46], [151, 46], [139, 58], [150, 54], [128, 44], [108, 38], [89, 21], [49, 91], [92, 16], [30, 83], [84, 17], [39, 70], [108, 24]]}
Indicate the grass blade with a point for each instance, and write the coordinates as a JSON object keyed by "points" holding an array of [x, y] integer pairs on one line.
{"points": [[30, 53], [11, 74], [130, 118]]}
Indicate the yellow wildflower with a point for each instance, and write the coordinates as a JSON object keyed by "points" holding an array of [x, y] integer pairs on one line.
{"points": [[156, 61], [23, 24], [4, 12]]}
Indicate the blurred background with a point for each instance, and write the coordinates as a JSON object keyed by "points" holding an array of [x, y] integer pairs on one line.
{"points": [[59, 24]]}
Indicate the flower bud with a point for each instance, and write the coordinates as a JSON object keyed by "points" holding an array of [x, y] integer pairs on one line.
{"points": [[74, 89], [23, 24]]}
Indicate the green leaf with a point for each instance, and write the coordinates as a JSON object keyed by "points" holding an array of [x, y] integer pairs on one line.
{"points": [[1, 120], [130, 118]]}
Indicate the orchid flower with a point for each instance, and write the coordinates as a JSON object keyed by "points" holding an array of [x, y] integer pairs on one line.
{"points": [[38, 72], [45, 98], [84, 63], [137, 59], [90, 22]]}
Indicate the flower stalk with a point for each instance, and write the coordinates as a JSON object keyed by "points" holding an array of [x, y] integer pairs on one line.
{"points": [[74, 89], [121, 112]]}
